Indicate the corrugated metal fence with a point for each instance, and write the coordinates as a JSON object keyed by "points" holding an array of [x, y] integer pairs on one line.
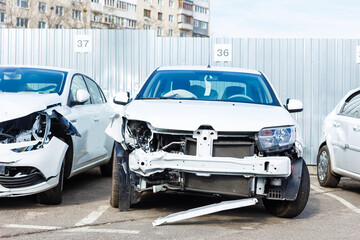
{"points": [[316, 71]]}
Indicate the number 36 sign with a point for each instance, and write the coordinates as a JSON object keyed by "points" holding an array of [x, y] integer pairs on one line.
{"points": [[82, 43], [223, 53]]}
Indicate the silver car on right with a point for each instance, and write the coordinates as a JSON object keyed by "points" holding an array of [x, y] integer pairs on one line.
{"points": [[339, 151]]}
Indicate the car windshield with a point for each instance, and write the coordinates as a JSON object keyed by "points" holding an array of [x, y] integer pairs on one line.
{"points": [[42, 81], [208, 86]]}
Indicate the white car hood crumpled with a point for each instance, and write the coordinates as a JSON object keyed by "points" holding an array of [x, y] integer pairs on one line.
{"points": [[16, 105], [189, 115]]}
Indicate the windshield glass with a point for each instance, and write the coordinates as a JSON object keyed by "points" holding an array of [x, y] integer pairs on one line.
{"points": [[209, 86], [31, 80]]}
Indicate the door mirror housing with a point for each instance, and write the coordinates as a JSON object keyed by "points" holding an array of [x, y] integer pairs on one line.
{"points": [[122, 98], [293, 105], [82, 96]]}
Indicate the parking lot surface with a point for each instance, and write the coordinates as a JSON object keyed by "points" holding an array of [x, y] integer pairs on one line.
{"points": [[86, 214]]}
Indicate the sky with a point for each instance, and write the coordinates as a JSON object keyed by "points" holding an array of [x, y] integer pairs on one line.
{"points": [[285, 18]]}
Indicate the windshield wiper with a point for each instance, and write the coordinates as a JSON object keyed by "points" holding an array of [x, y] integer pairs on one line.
{"points": [[147, 98]]}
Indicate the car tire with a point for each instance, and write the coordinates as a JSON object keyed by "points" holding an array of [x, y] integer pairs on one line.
{"points": [[53, 196], [107, 169], [290, 209], [324, 173], [120, 189]]}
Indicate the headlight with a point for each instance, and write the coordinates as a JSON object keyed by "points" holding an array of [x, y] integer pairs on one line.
{"points": [[138, 134], [276, 139]]}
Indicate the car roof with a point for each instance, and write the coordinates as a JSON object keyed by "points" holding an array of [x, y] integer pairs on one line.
{"points": [[204, 68], [42, 67]]}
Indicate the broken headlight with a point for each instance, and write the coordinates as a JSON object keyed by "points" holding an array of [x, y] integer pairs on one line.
{"points": [[138, 134], [276, 139]]}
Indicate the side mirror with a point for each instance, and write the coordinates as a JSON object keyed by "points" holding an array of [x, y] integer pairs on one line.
{"points": [[293, 105], [82, 96], [122, 98]]}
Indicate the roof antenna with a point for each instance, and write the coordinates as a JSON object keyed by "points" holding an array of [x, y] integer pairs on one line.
{"points": [[208, 66]]}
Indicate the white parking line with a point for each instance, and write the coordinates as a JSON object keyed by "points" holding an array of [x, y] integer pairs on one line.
{"points": [[92, 217], [80, 229], [31, 227], [341, 200]]}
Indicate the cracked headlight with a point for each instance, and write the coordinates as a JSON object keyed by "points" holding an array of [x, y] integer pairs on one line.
{"points": [[138, 134], [276, 139]]}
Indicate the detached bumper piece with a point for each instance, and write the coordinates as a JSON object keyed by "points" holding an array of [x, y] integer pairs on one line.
{"points": [[213, 208]]}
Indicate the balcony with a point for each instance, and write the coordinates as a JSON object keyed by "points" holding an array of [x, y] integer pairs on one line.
{"points": [[185, 12], [185, 26]]}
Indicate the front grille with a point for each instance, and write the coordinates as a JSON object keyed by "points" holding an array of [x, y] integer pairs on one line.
{"points": [[224, 147], [24, 181]]}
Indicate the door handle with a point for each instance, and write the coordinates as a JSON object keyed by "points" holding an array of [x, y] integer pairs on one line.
{"points": [[336, 124], [356, 128], [96, 119]]}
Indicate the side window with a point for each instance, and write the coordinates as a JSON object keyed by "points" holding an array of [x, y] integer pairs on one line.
{"points": [[351, 107], [94, 91], [77, 83]]}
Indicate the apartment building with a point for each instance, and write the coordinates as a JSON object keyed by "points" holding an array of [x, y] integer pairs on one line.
{"points": [[2, 14], [174, 18], [47, 14], [113, 14]]}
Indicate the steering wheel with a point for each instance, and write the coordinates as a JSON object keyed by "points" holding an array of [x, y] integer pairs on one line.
{"points": [[179, 93], [241, 98]]}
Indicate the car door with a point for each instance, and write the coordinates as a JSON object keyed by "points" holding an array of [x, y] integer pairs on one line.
{"points": [[101, 142], [350, 120], [80, 116]]}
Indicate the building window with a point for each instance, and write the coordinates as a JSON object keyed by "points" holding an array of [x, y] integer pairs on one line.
{"points": [[23, 3], [95, 17], [185, 5], [2, 17], [108, 18], [170, 32], [149, 1], [160, 2], [204, 25], [185, 19], [159, 31], [42, 25], [77, 0], [110, 3], [59, 10], [201, 10], [76, 14], [160, 15], [182, 34], [196, 23], [147, 13], [42, 7], [146, 26], [22, 22], [130, 23], [171, 3], [171, 18], [59, 26], [95, 1]]}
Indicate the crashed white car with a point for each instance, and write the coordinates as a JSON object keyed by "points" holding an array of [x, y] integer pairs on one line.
{"points": [[339, 151], [209, 130], [52, 124]]}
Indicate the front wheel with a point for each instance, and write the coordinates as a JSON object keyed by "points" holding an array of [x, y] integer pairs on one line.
{"points": [[290, 209], [324, 173]]}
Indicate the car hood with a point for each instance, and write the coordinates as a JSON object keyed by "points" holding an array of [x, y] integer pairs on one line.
{"points": [[189, 115], [16, 105]]}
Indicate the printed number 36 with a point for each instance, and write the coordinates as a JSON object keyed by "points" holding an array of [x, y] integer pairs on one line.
{"points": [[223, 52]]}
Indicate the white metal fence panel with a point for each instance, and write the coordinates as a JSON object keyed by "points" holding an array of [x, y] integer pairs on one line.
{"points": [[316, 71]]}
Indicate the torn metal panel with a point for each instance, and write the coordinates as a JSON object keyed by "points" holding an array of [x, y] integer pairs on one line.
{"points": [[201, 211]]}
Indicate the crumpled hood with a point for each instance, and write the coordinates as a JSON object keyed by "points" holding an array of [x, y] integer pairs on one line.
{"points": [[16, 105], [222, 116]]}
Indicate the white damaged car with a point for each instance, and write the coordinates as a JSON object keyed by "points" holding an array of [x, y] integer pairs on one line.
{"points": [[209, 130], [52, 124]]}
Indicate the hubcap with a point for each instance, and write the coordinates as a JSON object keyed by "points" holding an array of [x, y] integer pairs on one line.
{"points": [[323, 165]]}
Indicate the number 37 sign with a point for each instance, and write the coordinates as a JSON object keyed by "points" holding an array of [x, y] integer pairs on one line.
{"points": [[82, 43], [223, 53]]}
